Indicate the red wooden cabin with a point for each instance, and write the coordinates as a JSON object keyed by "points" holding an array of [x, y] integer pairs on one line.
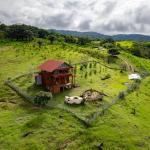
{"points": [[55, 76]]}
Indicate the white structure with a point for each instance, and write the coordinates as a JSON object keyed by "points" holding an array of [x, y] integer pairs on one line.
{"points": [[134, 77], [73, 100]]}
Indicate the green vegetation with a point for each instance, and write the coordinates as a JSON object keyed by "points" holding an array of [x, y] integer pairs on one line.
{"points": [[140, 49], [125, 125], [28, 33], [126, 44]]}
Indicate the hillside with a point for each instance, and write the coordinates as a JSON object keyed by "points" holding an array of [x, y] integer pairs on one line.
{"points": [[24, 126], [95, 35], [135, 37]]}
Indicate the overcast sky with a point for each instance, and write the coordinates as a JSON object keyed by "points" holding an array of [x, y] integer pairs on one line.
{"points": [[104, 16]]}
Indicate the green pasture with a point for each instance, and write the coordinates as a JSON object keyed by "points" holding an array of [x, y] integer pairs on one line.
{"points": [[26, 127]]}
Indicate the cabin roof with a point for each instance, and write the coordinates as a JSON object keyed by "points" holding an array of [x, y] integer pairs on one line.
{"points": [[51, 65]]}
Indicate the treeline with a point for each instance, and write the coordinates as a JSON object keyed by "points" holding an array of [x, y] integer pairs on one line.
{"points": [[140, 49], [22, 32], [111, 46]]}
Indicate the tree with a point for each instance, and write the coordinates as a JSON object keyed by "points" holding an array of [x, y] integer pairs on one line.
{"points": [[52, 38], [108, 45], [2, 35], [42, 33], [3, 27], [28, 35], [70, 39], [113, 51], [42, 98], [19, 32], [107, 40], [40, 43], [83, 40]]}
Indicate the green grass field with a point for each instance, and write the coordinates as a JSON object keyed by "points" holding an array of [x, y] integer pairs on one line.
{"points": [[26, 127]]}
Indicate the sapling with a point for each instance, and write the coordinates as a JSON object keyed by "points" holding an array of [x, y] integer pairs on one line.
{"points": [[85, 76], [95, 72], [90, 73], [90, 65]]}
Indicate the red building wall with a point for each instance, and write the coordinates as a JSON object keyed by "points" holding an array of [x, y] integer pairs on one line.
{"points": [[53, 82]]}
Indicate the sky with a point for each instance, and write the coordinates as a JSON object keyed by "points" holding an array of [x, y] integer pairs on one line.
{"points": [[103, 16]]}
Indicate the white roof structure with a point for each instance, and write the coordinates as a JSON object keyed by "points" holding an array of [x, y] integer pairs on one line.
{"points": [[73, 99], [134, 76]]}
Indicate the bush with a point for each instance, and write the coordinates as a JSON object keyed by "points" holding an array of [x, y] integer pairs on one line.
{"points": [[121, 95], [90, 73], [81, 68], [133, 86], [90, 65], [42, 98], [83, 40], [113, 51], [95, 72], [85, 76]]}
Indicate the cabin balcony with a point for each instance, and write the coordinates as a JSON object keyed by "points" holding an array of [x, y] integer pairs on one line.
{"points": [[61, 75]]}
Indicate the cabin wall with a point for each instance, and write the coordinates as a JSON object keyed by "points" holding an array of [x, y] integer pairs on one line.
{"points": [[54, 81], [46, 78]]}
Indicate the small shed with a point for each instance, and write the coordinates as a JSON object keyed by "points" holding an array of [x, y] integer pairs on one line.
{"points": [[55, 75]]}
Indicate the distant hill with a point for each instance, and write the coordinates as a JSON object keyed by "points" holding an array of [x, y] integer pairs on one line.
{"points": [[95, 35], [135, 37]]}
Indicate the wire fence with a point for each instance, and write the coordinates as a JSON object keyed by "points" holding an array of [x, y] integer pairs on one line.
{"points": [[86, 121], [21, 92], [22, 75]]}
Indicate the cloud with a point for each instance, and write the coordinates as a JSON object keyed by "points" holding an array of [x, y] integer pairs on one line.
{"points": [[57, 21], [84, 25], [105, 16]]}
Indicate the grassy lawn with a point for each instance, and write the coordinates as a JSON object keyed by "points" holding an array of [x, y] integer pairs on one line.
{"points": [[25, 127]]}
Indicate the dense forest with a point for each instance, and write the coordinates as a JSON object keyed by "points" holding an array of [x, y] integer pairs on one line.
{"points": [[22, 32]]}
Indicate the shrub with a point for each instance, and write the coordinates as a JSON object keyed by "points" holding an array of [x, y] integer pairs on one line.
{"points": [[90, 65], [95, 72], [121, 95], [113, 51], [90, 73], [85, 76], [133, 86], [85, 66], [95, 65], [42, 98], [81, 68]]}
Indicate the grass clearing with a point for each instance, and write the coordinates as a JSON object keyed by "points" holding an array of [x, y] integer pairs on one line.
{"points": [[127, 44], [56, 129]]}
